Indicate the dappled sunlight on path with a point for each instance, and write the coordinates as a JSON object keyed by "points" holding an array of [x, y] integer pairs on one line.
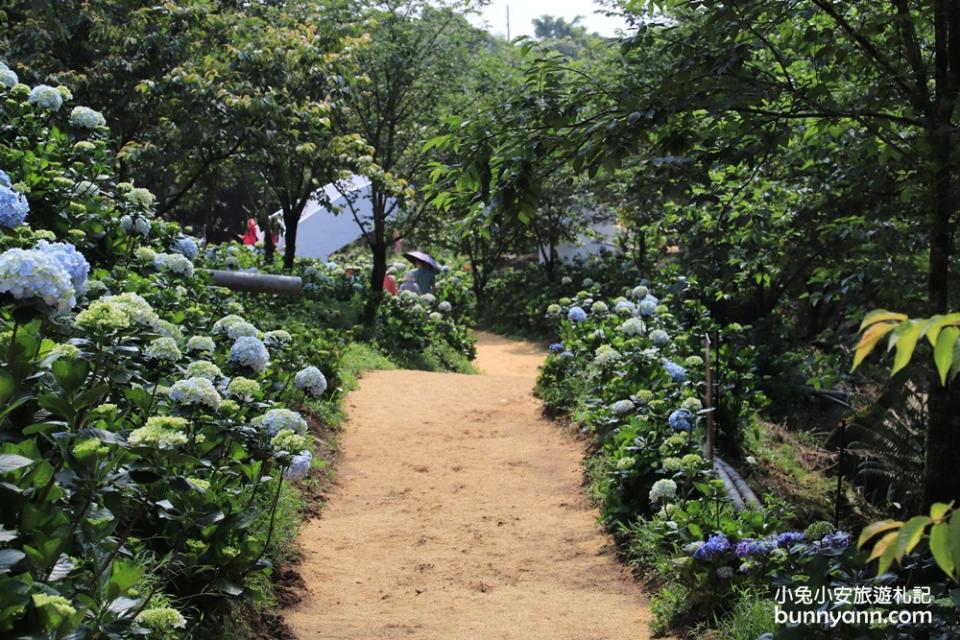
{"points": [[459, 515]]}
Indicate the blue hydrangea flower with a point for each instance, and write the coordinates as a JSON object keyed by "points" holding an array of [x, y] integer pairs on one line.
{"points": [[750, 548], [70, 259], [8, 78], [622, 407], [250, 352], [625, 308], [556, 347], [186, 246], [13, 206], [576, 314], [5, 180], [789, 538], [276, 420], [45, 97], [639, 292], [681, 420], [676, 372], [29, 273], [716, 545], [647, 307], [311, 380], [86, 118], [299, 466]]}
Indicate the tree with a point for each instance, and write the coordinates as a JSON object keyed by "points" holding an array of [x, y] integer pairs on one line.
{"points": [[417, 64]]}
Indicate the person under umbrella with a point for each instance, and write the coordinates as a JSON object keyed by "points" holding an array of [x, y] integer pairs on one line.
{"points": [[426, 270]]}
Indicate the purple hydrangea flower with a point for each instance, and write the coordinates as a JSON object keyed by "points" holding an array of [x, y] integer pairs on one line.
{"points": [[837, 540], [716, 545], [556, 347], [789, 538]]}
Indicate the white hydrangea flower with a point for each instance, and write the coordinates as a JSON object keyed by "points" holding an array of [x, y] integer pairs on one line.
{"points": [[632, 327], [45, 97], [248, 351], [622, 407], [663, 489], [86, 118], [605, 354], [192, 391]]}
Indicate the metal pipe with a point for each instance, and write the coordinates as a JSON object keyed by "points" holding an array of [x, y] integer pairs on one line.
{"points": [[257, 282]]}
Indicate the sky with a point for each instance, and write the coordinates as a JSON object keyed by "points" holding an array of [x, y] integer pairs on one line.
{"points": [[522, 12]]}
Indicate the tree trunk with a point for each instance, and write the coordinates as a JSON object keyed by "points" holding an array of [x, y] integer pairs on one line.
{"points": [[269, 248], [941, 476], [291, 219], [379, 249], [376, 283]]}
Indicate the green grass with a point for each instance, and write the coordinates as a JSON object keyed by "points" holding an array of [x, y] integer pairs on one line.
{"points": [[752, 616], [358, 358]]}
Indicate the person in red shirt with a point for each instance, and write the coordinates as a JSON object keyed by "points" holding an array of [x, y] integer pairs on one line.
{"points": [[250, 237], [390, 284]]}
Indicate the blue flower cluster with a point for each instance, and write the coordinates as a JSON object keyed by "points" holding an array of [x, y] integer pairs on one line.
{"points": [[250, 352], [676, 372], [750, 548], [8, 78], [186, 246], [299, 466], [137, 225], [838, 540], [576, 314], [70, 259], [659, 338], [556, 347], [788, 538], [276, 420], [311, 380], [716, 545], [13, 206], [647, 307], [681, 420], [29, 273]]}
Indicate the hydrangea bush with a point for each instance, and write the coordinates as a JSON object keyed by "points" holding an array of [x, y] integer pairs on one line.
{"points": [[139, 487]]}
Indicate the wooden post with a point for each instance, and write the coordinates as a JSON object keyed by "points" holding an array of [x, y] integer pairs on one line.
{"points": [[708, 394]]}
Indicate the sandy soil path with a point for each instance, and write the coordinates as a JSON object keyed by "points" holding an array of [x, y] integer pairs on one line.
{"points": [[458, 514]]}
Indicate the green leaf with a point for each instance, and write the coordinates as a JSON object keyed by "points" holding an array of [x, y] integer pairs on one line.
{"points": [[940, 547], [869, 340], [877, 527], [881, 315], [955, 539], [938, 510], [11, 462], [9, 558], [936, 323], [910, 534], [943, 352], [905, 338], [7, 386]]}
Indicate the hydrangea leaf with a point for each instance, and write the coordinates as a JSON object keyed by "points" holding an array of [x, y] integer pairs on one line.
{"points": [[943, 351]]}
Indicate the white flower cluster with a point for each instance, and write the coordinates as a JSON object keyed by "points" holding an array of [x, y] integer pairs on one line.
{"points": [[276, 338], [174, 263], [204, 369], [663, 489], [632, 327], [659, 337], [138, 225], [163, 349], [622, 407], [605, 354], [445, 307], [201, 343], [45, 97], [248, 351], [86, 118], [191, 391]]}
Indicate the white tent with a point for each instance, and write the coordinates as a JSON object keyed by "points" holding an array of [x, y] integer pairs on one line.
{"points": [[322, 229]]}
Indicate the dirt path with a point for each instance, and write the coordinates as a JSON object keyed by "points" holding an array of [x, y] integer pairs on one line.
{"points": [[459, 515]]}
